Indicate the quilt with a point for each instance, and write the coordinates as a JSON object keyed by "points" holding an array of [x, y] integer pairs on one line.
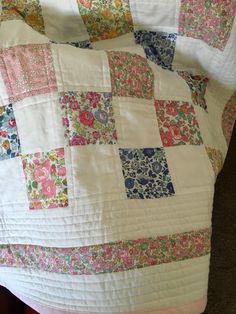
{"points": [[115, 119]]}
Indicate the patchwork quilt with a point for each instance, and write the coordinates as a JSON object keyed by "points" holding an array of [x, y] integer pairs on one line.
{"points": [[115, 118]]}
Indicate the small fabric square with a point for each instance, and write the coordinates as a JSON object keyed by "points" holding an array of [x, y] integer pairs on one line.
{"points": [[216, 159], [136, 123], [146, 173], [39, 123], [97, 173], [197, 85], [27, 70], [83, 70], [207, 20], [46, 182], [106, 19], [131, 75], [28, 10], [159, 47], [9, 139], [177, 123], [88, 118]]}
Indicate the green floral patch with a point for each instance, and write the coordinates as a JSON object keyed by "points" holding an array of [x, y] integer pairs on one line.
{"points": [[28, 10], [106, 19]]}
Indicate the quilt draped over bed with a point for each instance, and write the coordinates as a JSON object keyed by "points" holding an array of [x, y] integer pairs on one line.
{"points": [[115, 118]]}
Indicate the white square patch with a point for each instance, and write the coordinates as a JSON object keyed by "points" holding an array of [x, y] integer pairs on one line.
{"points": [[63, 21], [161, 15], [169, 85], [81, 69], [12, 185], [39, 123], [136, 123], [97, 173], [19, 27], [190, 168]]}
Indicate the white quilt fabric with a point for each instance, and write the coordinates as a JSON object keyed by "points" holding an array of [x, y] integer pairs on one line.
{"points": [[115, 118]]}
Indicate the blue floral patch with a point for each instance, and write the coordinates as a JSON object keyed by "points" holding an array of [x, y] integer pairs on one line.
{"points": [[197, 85], [146, 173], [159, 47], [9, 140], [85, 44]]}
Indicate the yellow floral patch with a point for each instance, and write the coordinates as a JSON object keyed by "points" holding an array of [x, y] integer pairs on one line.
{"points": [[106, 19], [216, 159], [28, 10]]}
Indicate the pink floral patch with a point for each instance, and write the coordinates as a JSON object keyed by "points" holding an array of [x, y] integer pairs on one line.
{"points": [[229, 118], [209, 20], [45, 175], [131, 75], [109, 257], [88, 118], [27, 70], [177, 123]]}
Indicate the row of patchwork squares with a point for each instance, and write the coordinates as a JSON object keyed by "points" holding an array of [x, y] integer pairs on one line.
{"points": [[96, 118], [66, 177], [29, 70], [88, 118], [210, 21]]}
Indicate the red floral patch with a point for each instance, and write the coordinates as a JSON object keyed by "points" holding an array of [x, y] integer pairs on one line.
{"points": [[209, 20], [177, 123], [131, 75]]}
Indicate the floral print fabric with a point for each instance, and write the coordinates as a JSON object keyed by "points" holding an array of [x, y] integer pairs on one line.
{"points": [[197, 85], [27, 70], [28, 10], [88, 118], [146, 173], [85, 44], [45, 175], [109, 257], [106, 19], [9, 139], [159, 47], [216, 159], [209, 20], [177, 123], [131, 75], [229, 118]]}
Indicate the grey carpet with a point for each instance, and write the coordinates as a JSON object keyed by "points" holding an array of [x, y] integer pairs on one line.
{"points": [[222, 281]]}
